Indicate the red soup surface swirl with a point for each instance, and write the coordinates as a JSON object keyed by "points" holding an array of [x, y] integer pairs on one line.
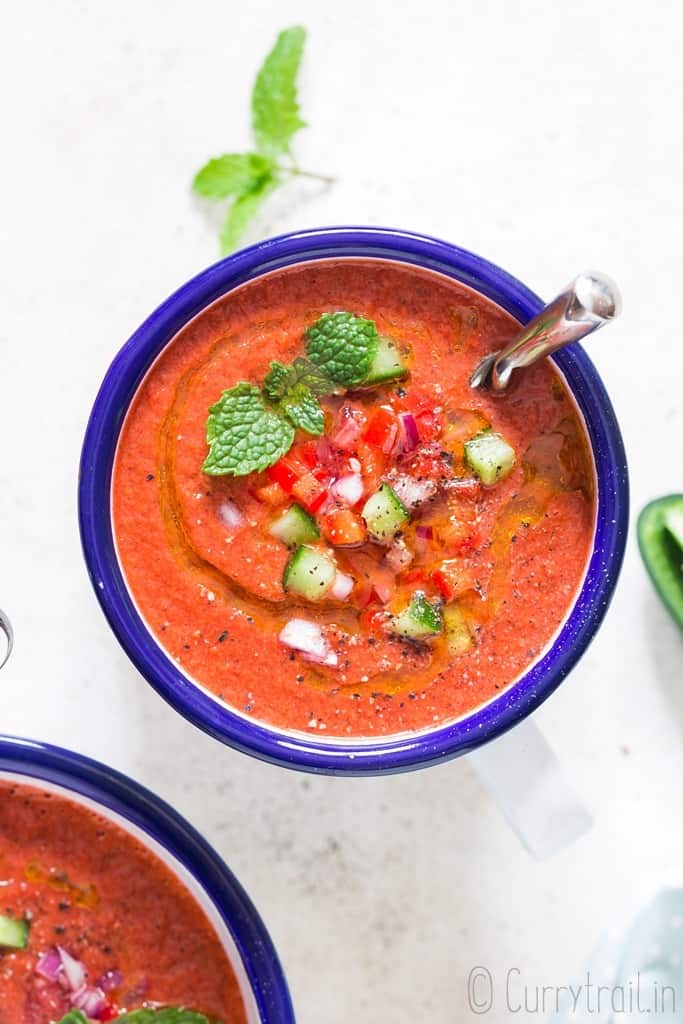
{"points": [[390, 574], [86, 890]]}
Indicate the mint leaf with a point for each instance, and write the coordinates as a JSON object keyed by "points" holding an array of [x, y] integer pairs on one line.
{"points": [[303, 409], [243, 434], [74, 1017], [242, 211], [281, 379], [232, 174], [165, 1015], [343, 346], [274, 105]]}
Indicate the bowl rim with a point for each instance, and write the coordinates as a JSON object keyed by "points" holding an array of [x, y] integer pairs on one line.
{"points": [[42, 762], [287, 749]]}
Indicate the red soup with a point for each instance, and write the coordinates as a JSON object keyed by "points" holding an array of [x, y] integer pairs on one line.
{"points": [[325, 526], [91, 919]]}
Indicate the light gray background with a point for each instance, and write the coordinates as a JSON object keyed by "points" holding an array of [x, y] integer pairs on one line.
{"points": [[544, 136]]}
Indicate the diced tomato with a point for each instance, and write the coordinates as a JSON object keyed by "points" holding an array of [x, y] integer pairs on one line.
{"points": [[342, 527], [428, 425], [283, 475], [452, 579], [309, 453], [382, 430], [310, 492], [271, 494], [414, 576], [372, 463]]}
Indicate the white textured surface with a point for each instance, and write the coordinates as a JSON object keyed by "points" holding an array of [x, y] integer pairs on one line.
{"points": [[544, 136]]}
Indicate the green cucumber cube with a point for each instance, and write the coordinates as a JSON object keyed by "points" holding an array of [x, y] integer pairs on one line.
{"points": [[419, 620], [13, 933], [309, 573], [490, 456], [295, 526], [384, 513]]}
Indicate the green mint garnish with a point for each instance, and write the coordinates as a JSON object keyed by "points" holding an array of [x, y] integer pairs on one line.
{"points": [[274, 104], [303, 409], [233, 174], [250, 428], [165, 1015], [244, 434], [162, 1015], [280, 379], [343, 346], [250, 177]]}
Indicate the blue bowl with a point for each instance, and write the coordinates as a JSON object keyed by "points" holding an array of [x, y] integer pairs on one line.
{"points": [[244, 935], [295, 750]]}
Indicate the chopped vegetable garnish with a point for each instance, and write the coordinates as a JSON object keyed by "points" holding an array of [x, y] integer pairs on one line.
{"points": [[13, 932], [419, 620], [309, 573], [385, 514], [295, 526], [490, 456]]}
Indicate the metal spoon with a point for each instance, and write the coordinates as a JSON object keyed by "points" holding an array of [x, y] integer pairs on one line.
{"points": [[6, 628], [589, 302]]}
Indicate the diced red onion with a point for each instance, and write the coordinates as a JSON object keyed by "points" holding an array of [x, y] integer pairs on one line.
{"points": [[230, 515], [308, 638], [424, 532], [49, 965], [110, 980], [342, 586], [410, 436], [348, 432], [354, 465], [399, 555], [323, 451], [412, 492], [90, 1000], [74, 971], [349, 489]]}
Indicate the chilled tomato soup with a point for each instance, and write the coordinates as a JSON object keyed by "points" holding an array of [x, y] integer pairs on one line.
{"points": [[325, 526], [92, 922]]}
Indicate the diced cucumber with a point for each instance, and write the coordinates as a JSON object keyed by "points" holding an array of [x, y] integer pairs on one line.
{"points": [[458, 635], [419, 620], [384, 513], [309, 573], [490, 456], [295, 526], [386, 365], [13, 934]]}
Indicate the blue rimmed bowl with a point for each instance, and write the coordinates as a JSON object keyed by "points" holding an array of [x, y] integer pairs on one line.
{"points": [[137, 810], [295, 750]]}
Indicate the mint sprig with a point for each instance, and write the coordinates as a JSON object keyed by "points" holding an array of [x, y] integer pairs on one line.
{"points": [[244, 435], [343, 346], [250, 177], [250, 428]]}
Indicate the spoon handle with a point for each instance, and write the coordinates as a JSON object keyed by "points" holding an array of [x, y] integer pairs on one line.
{"points": [[589, 302]]}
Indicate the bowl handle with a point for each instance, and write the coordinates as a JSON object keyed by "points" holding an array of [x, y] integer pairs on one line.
{"points": [[524, 777]]}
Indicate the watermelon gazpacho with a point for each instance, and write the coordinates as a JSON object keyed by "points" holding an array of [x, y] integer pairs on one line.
{"points": [[95, 927], [325, 526]]}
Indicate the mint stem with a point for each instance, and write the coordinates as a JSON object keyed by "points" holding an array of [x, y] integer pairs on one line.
{"points": [[327, 178]]}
